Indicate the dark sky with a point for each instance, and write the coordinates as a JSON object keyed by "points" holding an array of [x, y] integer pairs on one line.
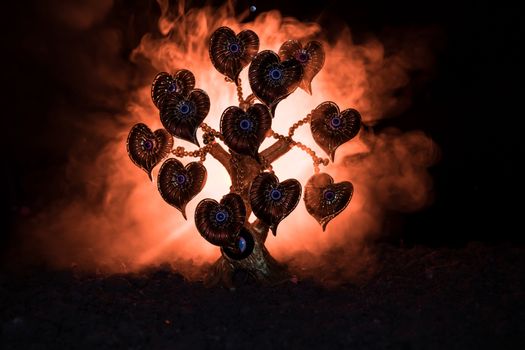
{"points": [[474, 180]]}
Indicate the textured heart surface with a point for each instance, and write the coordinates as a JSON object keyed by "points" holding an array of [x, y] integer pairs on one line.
{"points": [[325, 199], [311, 57], [245, 131], [230, 53], [181, 116], [165, 84], [178, 184], [271, 79], [331, 128], [272, 200], [146, 148], [220, 223]]}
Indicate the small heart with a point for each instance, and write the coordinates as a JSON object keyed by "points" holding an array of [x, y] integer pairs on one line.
{"points": [[325, 199], [230, 53], [311, 58], [272, 80], [181, 116], [331, 128], [272, 201], [146, 148], [165, 84], [242, 245], [245, 131], [178, 184], [219, 223]]}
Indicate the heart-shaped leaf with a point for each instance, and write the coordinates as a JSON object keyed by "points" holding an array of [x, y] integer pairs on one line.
{"points": [[165, 84], [146, 148], [245, 131], [178, 184], [219, 223], [331, 128], [242, 245], [325, 199], [230, 53], [181, 116], [311, 58], [272, 201], [272, 80]]}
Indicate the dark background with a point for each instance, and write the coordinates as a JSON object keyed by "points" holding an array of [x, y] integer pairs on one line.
{"points": [[475, 180]]}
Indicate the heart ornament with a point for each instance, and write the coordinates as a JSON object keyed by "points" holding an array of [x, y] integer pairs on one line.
{"points": [[271, 79], [271, 200], [245, 131], [165, 84], [325, 199], [178, 184], [220, 223], [331, 128], [147, 148], [230, 53], [311, 57], [181, 116]]}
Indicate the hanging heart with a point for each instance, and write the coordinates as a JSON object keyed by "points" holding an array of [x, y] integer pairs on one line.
{"points": [[325, 199], [242, 245], [331, 128], [245, 131], [178, 184], [165, 84], [219, 223], [272, 80], [146, 148], [181, 116], [230, 53], [272, 201], [311, 58]]}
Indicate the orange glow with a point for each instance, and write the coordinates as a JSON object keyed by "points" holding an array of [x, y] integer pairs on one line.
{"points": [[135, 226]]}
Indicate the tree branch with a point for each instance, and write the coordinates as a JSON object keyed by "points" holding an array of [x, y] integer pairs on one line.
{"points": [[275, 151], [221, 155]]}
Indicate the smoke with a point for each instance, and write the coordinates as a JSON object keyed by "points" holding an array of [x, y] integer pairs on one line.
{"points": [[113, 218]]}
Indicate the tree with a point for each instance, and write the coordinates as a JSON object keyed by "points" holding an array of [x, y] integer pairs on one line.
{"points": [[255, 188]]}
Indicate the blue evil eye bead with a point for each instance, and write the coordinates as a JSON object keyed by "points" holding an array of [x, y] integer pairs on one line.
{"points": [[242, 247], [234, 48], [324, 199], [241, 244], [172, 87], [147, 145], [165, 84], [220, 223], [245, 131], [181, 117], [253, 8], [271, 79], [146, 148], [230, 53], [276, 74], [221, 216], [335, 122], [275, 194], [271, 200], [180, 179], [329, 195], [179, 184], [311, 57], [245, 124], [184, 107], [331, 128]]}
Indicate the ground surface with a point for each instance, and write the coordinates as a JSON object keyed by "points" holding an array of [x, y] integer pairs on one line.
{"points": [[471, 297]]}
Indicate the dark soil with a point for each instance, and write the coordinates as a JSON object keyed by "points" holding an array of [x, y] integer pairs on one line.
{"points": [[466, 298]]}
